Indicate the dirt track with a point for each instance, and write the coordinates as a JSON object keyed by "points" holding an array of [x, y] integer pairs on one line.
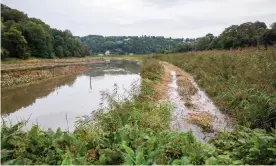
{"points": [[193, 110]]}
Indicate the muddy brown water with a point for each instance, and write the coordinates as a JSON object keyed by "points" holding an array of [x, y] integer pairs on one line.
{"points": [[57, 103]]}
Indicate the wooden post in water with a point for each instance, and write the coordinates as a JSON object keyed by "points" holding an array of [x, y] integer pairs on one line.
{"points": [[90, 83]]}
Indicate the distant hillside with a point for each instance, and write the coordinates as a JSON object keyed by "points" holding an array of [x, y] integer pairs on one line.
{"points": [[129, 44], [248, 34]]}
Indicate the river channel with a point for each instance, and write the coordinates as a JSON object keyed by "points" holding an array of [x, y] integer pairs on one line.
{"points": [[57, 103]]}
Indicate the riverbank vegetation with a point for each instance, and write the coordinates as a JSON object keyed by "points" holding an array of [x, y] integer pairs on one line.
{"points": [[240, 82], [133, 132]]}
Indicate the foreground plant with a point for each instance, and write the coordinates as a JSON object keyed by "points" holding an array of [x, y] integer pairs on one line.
{"points": [[246, 146]]}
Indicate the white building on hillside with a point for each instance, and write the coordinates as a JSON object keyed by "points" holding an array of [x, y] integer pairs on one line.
{"points": [[107, 53]]}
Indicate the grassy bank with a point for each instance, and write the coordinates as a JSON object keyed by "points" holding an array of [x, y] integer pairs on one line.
{"points": [[242, 83], [133, 132]]}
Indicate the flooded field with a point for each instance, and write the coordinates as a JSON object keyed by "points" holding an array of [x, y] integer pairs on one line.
{"points": [[56, 103]]}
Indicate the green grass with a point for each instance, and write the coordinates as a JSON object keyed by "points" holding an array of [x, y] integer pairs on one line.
{"points": [[246, 146], [242, 83], [152, 70], [133, 132]]}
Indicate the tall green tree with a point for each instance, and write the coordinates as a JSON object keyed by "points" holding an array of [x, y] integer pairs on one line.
{"points": [[37, 38], [15, 43], [42, 41]]}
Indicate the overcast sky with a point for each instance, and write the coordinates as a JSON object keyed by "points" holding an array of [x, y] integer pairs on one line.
{"points": [[175, 18]]}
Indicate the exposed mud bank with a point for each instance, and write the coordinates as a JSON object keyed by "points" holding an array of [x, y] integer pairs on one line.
{"points": [[17, 78], [42, 63]]}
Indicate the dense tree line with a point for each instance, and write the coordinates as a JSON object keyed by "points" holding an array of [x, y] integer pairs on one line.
{"points": [[248, 34], [129, 44], [23, 37], [236, 36]]}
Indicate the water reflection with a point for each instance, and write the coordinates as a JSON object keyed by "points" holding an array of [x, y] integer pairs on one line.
{"points": [[50, 102], [13, 100]]}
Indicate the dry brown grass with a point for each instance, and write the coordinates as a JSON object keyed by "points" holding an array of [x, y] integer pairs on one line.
{"points": [[185, 88], [202, 119], [161, 88]]}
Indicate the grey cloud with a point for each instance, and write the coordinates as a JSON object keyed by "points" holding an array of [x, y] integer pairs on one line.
{"points": [[167, 3], [161, 3], [176, 18]]}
